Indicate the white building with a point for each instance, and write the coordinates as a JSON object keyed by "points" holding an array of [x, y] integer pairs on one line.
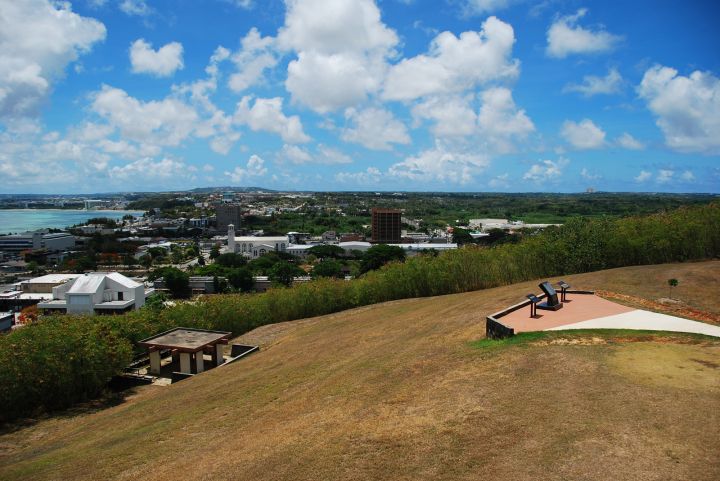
{"points": [[97, 292], [255, 247]]}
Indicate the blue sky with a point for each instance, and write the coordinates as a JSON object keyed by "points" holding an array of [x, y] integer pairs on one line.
{"points": [[443, 95]]}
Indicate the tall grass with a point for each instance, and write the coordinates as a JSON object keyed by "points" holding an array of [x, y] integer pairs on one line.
{"points": [[62, 360]]}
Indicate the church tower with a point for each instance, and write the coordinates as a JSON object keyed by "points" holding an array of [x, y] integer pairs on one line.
{"points": [[231, 237]]}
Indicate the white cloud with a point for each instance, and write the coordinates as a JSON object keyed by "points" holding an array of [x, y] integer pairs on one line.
{"points": [[255, 167], [565, 37], [687, 176], [643, 176], [323, 155], [500, 181], [440, 164], [257, 54], [165, 122], [150, 170], [244, 4], [629, 142], [371, 175], [583, 135], [500, 122], [453, 115], [587, 175], [687, 108], [456, 64], [665, 176], [328, 155], [375, 129], [137, 8], [592, 85], [546, 170], [38, 40], [267, 115], [162, 62], [480, 7], [341, 54], [216, 124]]}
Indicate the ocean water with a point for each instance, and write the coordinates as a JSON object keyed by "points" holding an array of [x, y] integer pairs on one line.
{"points": [[21, 220]]}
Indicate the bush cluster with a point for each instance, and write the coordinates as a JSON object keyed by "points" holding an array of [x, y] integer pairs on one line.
{"points": [[61, 360]]}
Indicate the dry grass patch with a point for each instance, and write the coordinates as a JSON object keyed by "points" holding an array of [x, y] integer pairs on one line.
{"points": [[399, 391]]}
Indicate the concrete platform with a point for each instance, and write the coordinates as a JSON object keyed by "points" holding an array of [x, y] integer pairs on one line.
{"points": [[586, 311], [639, 319], [579, 307]]}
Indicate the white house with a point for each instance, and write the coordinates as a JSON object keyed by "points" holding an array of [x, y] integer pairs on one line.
{"points": [[97, 292], [255, 247]]}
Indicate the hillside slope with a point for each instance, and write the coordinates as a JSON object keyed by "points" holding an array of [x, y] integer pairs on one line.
{"points": [[398, 391]]}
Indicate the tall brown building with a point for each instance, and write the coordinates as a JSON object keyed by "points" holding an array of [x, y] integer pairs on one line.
{"points": [[386, 226], [227, 214]]}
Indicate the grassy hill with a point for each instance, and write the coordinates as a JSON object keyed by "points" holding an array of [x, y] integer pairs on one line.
{"points": [[401, 391]]}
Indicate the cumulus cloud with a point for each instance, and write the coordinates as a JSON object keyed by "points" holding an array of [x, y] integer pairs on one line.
{"points": [[664, 176], [38, 40], [593, 85], [138, 8], [371, 175], [162, 62], [149, 169], [687, 176], [255, 167], [164, 122], [453, 115], [583, 135], [454, 64], [442, 164], [374, 128], [341, 54], [565, 37], [627, 141], [500, 122], [480, 7], [687, 108], [587, 175], [256, 54], [643, 176], [216, 124], [323, 154], [267, 115], [546, 170]]}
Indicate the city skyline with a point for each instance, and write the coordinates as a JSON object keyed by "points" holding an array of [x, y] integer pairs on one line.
{"points": [[395, 95]]}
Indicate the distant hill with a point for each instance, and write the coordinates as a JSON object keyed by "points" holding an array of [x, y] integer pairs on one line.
{"points": [[399, 391]]}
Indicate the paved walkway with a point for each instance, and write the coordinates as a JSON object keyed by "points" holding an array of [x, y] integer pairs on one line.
{"points": [[639, 319]]}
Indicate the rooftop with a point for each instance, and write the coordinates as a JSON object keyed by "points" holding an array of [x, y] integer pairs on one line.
{"points": [[185, 339]]}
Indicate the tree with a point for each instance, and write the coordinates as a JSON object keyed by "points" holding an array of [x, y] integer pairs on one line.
{"points": [[176, 281], [215, 252], [241, 278], [672, 283], [283, 273], [328, 268], [146, 261], [231, 259], [201, 260], [379, 255], [156, 302], [461, 236], [324, 251]]}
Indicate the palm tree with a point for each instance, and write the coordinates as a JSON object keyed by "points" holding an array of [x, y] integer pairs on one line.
{"points": [[672, 283]]}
